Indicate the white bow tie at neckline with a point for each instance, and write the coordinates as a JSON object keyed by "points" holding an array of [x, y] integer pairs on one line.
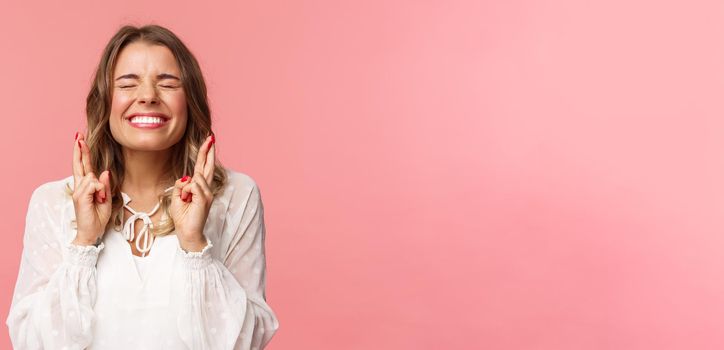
{"points": [[129, 228]]}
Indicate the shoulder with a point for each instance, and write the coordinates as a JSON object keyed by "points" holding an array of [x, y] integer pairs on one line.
{"points": [[54, 191], [239, 183], [241, 190], [49, 201], [239, 180]]}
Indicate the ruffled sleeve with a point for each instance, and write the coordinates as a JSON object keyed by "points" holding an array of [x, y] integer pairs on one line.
{"points": [[227, 306], [52, 305]]}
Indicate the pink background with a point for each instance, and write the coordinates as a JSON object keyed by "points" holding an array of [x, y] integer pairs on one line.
{"points": [[436, 174]]}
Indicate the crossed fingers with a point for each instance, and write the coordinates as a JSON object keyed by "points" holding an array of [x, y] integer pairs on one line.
{"points": [[203, 172], [83, 175]]}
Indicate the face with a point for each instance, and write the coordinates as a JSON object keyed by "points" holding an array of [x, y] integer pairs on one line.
{"points": [[148, 109]]}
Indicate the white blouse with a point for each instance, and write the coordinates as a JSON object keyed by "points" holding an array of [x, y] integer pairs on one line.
{"points": [[141, 266], [69, 296]]}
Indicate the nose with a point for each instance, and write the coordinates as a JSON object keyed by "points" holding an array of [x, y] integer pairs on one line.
{"points": [[147, 93]]}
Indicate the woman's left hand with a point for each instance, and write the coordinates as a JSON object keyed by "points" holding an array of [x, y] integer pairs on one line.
{"points": [[191, 200]]}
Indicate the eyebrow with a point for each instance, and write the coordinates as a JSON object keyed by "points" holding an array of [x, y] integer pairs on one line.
{"points": [[159, 77]]}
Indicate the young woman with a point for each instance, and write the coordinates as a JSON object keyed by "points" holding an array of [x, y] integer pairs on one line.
{"points": [[150, 244]]}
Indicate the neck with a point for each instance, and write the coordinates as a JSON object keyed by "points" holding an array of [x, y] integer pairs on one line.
{"points": [[145, 171]]}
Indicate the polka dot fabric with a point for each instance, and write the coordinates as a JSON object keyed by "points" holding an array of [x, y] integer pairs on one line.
{"points": [[86, 297]]}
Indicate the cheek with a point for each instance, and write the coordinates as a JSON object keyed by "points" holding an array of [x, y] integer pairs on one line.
{"points": [[178, 103], [181, 122], [180, 110], [179, 129], [119, 99], [120, 103], [114, 125]]}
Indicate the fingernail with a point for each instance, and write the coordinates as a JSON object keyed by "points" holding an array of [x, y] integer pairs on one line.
{"points": [[76, 135], [213, 139], [185, 178]]}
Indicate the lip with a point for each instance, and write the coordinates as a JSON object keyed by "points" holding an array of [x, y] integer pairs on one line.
{"points": [[163, 117]]}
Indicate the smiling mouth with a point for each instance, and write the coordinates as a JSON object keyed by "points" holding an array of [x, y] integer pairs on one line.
{"points": [[147, 122]]}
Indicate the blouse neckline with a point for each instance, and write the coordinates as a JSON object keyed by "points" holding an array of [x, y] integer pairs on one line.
{"points": [[127, 198]]}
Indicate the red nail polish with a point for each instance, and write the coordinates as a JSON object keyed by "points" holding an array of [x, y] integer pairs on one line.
{"points": [[213, 139], [76, 135], [185, 178]]}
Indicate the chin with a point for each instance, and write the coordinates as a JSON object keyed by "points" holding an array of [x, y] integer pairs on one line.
{"points": [[148, 140], [149, 148], [148, 144]]}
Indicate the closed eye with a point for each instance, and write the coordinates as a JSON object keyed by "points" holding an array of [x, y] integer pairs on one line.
{"points": [[166, 86]]}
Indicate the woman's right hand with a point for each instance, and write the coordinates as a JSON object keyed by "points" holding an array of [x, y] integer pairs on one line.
{"points": [[91, 196]]}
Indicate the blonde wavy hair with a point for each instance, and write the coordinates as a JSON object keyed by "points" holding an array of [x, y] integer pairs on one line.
{"points": [[106, 153]]}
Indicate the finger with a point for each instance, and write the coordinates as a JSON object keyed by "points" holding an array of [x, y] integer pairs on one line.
{"points": [[179, 185], [99, 192], [210, 160], [99, 196], [204, 187], [186, 193], [78, 172], [85, 156], [201, 157], [88, 186], [94, 188], [83, 184], [197, 193], [105, 179], [80, 186]]}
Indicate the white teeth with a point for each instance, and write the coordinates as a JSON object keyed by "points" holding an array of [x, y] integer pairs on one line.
{"points": [[146, 120]]}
